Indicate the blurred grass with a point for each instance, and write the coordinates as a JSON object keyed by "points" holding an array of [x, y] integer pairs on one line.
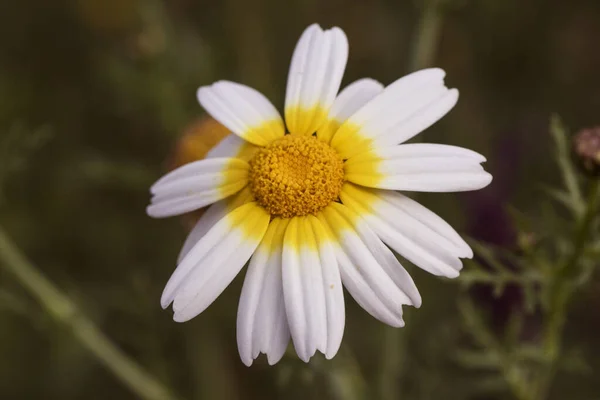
{"points": [[113, 82]]}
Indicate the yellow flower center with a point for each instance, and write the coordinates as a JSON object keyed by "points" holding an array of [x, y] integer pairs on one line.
{"points": [[296, 175]]}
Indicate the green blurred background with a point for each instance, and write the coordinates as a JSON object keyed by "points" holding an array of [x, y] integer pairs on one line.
{"points": [[94, 95]]}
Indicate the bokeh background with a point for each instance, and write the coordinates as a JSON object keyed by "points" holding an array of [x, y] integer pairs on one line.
{"points": [[94, 98]]}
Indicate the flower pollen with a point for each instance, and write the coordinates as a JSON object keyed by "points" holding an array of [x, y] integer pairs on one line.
{"points": [[296, 175]]}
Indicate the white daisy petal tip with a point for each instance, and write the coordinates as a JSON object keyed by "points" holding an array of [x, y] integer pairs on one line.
{"points": [[247, 361], [417, 300], [151, 212], [202, 93], [314, 78], [180, 318], [468, 252], [397, 323], [402, 110], [431, 74], [310, 29], [369, 84], [451, 274], [483, 180], [273, 359], [452, 97], [165, 301]]}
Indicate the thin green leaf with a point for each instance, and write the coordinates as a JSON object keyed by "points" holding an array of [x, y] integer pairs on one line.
{"points": [[530, 298], [477, 359], [514, 328], [476, 325], [486, 254], [566, 199], [563, 149]]}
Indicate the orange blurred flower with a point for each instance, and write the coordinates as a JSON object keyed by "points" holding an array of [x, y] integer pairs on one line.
{"points": [[198, 138], [586, 146]]}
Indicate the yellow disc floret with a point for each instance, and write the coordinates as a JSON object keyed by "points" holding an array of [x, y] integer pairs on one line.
{"points": [[296, 175]]}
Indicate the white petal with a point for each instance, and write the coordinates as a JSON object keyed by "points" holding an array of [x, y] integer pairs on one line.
{"points": [[411, 103], [432, 221], [243, 110], [302, 290], [193, 169], [314, 78], [211, 216], [420, 150], [421, 119], [369, 270], [312, 289], [332, 287], [293, 293], [196, 185], [262, 325], [459, 181], [399, 92], [366, 293], [389, 263], [350, 99], [177, 206], [210, 265], [233, 146], [418, 167], [410, 229]]}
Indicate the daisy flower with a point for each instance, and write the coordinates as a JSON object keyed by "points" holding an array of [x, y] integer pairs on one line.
{"points": [[315, 206]]}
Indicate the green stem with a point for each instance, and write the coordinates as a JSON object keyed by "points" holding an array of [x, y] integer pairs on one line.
{"points": [[560, 291], [64, 311], [427, 36]]}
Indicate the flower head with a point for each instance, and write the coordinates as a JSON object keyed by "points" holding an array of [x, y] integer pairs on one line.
{"points": [[315, 206], [586, 148]]}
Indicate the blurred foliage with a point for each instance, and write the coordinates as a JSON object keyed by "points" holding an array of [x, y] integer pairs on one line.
{"points": [[96, 92], [16, 146], [554, 262]]}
